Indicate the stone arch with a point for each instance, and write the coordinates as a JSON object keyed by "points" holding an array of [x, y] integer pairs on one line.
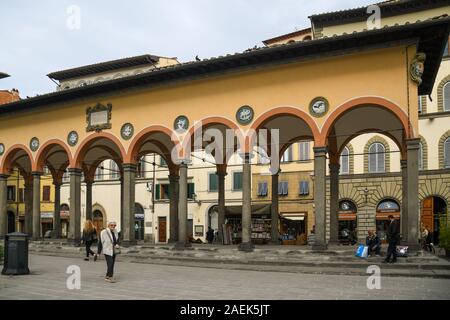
{"points": [[387, 158], [348, 191], [45, 151], [365, 102], [424, 153], [444, 138], [434, 188], [12, 155], [386, 190], [89, 141], [98, 207], [440, 93]]}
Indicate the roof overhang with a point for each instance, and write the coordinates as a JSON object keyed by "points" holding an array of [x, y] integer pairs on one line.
{"points": [[430, 37]]}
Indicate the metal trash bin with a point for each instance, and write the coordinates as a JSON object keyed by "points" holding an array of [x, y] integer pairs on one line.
{"points": [[15, 261]]}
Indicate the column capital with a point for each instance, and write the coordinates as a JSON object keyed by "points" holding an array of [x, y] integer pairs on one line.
{"points": [[57, 183], [413, 144], [320, 151], [129, 167], [246, 156], [88, 181], [334, 167], [4, 176], [37, 174], [75, 171], [174, 178]]}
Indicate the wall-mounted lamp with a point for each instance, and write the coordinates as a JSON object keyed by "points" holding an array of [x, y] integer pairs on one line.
{"points": [[194, 198]]}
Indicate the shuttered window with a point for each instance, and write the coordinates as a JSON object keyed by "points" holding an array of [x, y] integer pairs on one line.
{"points": [[447, 153], [446, 93], [115, 173], [304, 150], [303, 188], [283, 187], [420, 156], [213, 182], [262, 189], [287, 156], [377, 158], [46, 193], [237, 181], [11, 193], [345, 161], [191, 190]]}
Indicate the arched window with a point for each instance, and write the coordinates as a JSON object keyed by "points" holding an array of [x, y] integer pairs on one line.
{"points": [[446, 93], [447, 153], [420, 156], [115, 171], [345, 161], [377, 158], [287, 156]]}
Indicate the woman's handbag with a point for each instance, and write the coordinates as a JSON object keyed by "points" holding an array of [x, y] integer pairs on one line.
{"points": [[116, 248]]}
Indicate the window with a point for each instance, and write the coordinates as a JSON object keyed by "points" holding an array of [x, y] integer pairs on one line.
{"points": [[46, 170], [420, 156], [283, 187], [304, 150], [213, 185], [287, 156], [162, 192], [447, 153], [304, 188], [99, 172], [11, 193], [237, 181], [446, 93], [345, 161], [377, 158], [46, 194], [420, 105], [115, 172], [21, 195], [191, 190], [262, 189], [140, 173], [162, 162]]}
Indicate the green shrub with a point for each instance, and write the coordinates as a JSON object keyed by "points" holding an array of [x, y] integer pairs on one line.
{"points": [[444, 235]]}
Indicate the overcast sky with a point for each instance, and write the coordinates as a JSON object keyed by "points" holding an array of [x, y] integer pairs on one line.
{"points": [[39, 37]]}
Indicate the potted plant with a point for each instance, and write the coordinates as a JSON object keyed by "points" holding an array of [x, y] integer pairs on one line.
{"points": [[444, 236]]}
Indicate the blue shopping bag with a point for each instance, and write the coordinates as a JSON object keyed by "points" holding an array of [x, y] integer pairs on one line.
{"points": [[362, 251]]}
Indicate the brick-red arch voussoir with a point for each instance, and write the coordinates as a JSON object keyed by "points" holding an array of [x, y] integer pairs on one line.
{"points": [[38, 165], [85, 144], [361, 102], [5, 165]]}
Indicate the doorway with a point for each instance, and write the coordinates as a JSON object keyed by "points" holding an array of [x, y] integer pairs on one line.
{"points": [[433, 210], [98, 221], [162, 226], [139, 219], [11, 222]]}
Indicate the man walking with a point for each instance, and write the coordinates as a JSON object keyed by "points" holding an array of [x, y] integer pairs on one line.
{"points": [[393, 238]]}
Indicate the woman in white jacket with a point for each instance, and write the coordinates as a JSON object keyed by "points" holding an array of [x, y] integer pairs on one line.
{"points": [[109, 239]]}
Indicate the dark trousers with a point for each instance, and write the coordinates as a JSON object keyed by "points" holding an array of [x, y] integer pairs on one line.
{"points": [[374, 248], [392, 250], [110, 261], [88, 249]]}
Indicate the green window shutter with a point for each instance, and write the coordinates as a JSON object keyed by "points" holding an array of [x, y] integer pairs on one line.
{"points": [[213, 182], [158, 193], [237, 181], [191, 190]]}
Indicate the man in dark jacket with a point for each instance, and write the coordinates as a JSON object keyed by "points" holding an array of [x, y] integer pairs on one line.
{"points": [[393, 238]]}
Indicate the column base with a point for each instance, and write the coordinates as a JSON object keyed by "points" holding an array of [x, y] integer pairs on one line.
{"points": [[413, 248], [319, 247], [128, 243], [172, 241], [74, 242], [182, 246], [275, 243], [246, 247]]}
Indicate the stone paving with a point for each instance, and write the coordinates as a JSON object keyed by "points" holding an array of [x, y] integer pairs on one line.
{"points": [[143, 281]]}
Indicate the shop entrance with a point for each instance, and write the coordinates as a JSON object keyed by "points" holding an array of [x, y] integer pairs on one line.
{"points": [[11, 222], [384, 209], [434, 209], [139, 218], [98, 220], [347, 216], [293, 228], [162, 225]]}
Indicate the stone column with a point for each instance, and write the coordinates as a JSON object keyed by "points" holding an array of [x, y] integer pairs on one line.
{"points": [[57, 211], [3, 208], [221, 174], [121, 206], [129, 175], [75, 206], [274, 238], [89, 199], [334, 202], [320, 157], [28, 199], [173, 206], [404, 214], [246, 244], [183, 209], [183, 242], [413, 193], [36, 205]]}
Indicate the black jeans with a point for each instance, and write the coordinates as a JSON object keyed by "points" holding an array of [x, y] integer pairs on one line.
{"points": [[110, 261], [392, 250], [88, 248], [374, 248]]}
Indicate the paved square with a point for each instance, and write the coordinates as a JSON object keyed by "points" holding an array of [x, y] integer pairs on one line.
{"points": [[143, 281]]}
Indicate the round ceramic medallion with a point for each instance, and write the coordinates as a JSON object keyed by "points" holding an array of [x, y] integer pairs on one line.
{"points": [[181, 123], [319, 107], [72, 138], [34, 144], [245, 115]]}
